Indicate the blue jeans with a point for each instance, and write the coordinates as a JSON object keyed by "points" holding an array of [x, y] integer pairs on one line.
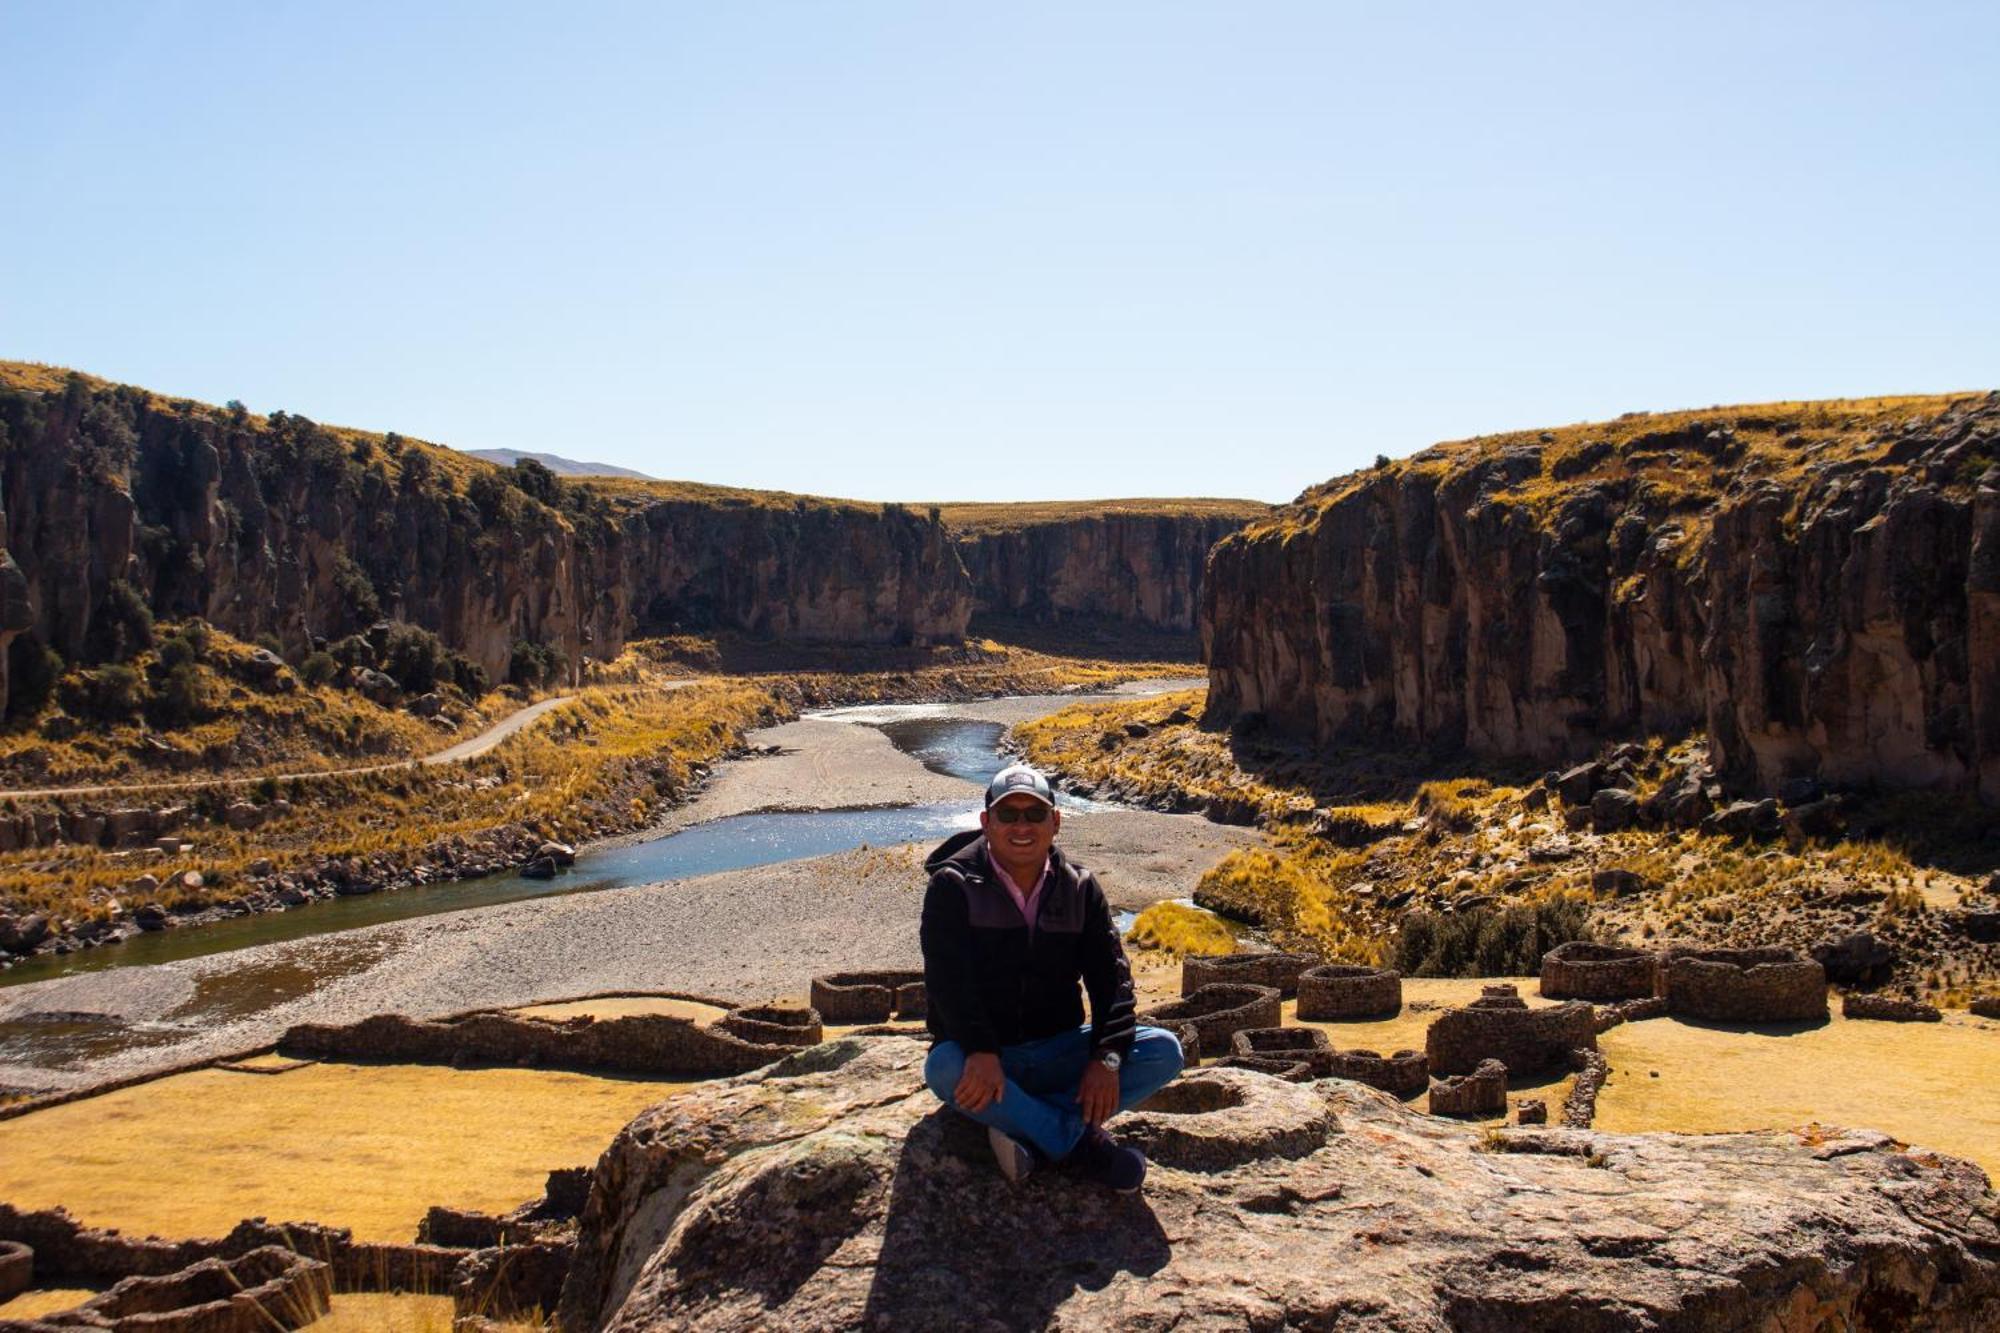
{"points": [[1040, 1107]]}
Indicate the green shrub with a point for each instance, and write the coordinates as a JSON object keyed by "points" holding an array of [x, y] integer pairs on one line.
{"points": [[353, 651], [109, 694], [1489, 942], [318, 668], [180, 698], [415, 657], [122, 626], [32, 671], [534, 664]]}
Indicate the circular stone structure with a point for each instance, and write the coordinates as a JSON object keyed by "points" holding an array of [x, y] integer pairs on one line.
{"points": [[1336, 991], [1291, 1071], [1256, 969], [868, 997], [1745, 986], [1581, 970], [1217, 1118], [1499, 1025], [1403, 1074], [17, 1269], [1217, 1012], [1307, 1044], [774, 1024]]}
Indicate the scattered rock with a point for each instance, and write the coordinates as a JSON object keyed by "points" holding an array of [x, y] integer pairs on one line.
{"points": [[1613, 809], [1889, 1009], [1745, 819], [20, 934], [559, 852], [1620, 883], [152, 916], [1856, 960], [1531, 1111]]}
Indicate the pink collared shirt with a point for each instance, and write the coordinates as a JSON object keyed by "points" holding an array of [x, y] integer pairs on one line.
{"points": [[1028, 901]]}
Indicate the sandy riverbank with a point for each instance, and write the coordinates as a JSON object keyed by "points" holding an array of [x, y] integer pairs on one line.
{"points": [[742, 935]]}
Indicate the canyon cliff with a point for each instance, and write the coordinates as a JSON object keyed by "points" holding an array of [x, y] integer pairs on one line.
{"points": [[115, 499], [1138, 562], [1816, 585]]}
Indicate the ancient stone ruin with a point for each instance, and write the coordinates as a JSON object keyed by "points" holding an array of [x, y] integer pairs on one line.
{"points": [[635, 1044], [1217, 1012], [1580, 970], [1889, 1009], [868, 997], [1402, 1074], [1307, 1044], [1745, 986], [1500, 1026], [1277, 1066], [1280, 970], [1483, 1092], [268, 1288], [774, 1024], [17, 1269], [1336, 991]]}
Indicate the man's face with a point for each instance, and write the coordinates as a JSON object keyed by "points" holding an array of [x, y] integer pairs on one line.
{"points": [[1021, 843]]}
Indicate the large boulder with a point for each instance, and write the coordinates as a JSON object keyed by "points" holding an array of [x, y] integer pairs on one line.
{"points": [[831, 1191]]}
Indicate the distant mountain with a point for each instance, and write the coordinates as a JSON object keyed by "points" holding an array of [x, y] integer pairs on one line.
{"points": [[562, 467]]}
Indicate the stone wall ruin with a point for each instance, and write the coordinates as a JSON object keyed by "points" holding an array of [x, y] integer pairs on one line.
{"points": [[1745, 986], [869, 997], [1483, 1092], [1217, 1012], [1581, 970], [1500, 1026], [1279, 970], [1336, 991]]}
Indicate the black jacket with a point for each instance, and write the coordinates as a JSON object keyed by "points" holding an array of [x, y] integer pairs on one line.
{"points": [[989, 985]]}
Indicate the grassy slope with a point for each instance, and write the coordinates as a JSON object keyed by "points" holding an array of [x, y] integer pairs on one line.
{"points": [[253, 730], [1437, 840], [972, 517], [1778, 441]]}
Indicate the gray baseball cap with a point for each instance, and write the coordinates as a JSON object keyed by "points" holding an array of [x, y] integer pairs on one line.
{"points": [[1019, 780]]}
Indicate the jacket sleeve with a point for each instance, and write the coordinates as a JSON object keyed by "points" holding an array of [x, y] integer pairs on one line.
{"points": [[1106, 976], [950, 983]]}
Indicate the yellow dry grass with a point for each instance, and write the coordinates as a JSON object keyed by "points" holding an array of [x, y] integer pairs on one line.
{"points": [[982, 516], [386, 1312], [363, 1146], [1928, 1084], [39, 1301], [303, 729], [625, 1006], [1178, 929]]}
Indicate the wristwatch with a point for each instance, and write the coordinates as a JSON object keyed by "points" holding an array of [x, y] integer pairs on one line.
{"points": [[1111, 1060]]}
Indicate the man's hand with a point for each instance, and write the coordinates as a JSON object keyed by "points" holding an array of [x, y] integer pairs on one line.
{"points": [[1097, 1095], [982, 1083]]}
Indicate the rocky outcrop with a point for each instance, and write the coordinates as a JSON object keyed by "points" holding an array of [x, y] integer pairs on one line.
{"points": [[280, 526], [832, 1192], [1818, 587], [1140, 568]]}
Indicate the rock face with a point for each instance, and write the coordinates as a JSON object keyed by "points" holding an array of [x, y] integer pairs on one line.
{"points": [[1817, 586], [277, 525], [831, 1192], [1143, 569]]}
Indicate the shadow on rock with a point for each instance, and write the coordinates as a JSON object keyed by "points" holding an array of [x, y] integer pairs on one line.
{"points": [[962, 1248]]}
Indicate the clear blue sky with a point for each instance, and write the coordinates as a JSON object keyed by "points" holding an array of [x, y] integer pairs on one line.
{"points": [[959, 250]]}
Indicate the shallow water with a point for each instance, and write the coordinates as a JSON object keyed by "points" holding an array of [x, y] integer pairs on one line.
{"points": [[945, 744]]}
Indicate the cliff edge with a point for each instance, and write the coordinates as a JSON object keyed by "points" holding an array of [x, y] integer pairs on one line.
{"points": [[1817, 585]]}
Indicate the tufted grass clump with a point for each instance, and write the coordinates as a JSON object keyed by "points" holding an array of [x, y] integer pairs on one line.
{"points": [[1177, 929]]}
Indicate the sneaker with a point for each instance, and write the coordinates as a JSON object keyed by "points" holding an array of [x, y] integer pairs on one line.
{"points": [[1017, 1160], [1103, 1160]]}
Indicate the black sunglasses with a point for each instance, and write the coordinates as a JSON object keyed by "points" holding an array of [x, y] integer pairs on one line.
{"points": [[1014, 814]]}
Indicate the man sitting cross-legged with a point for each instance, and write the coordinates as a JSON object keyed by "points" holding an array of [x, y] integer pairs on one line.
{"points": [[1010, 927]]}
